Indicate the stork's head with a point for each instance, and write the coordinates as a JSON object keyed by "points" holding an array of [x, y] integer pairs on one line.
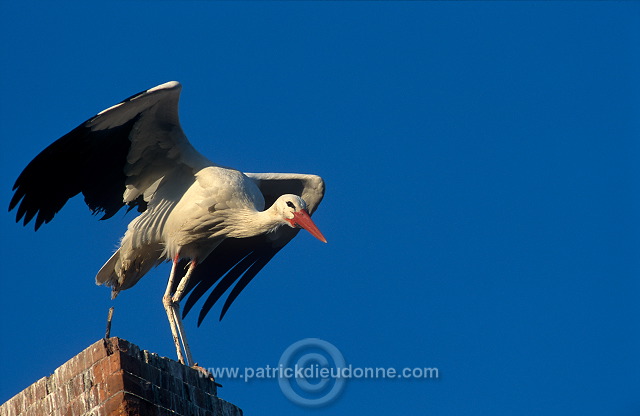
{"points": [[293, 211]]}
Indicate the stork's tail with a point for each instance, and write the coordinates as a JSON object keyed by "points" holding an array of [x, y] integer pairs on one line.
{"points": [[122, 273], [107, 275]]}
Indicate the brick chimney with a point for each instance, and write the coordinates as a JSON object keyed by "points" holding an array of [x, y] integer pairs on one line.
{"points": [[114, 377]]}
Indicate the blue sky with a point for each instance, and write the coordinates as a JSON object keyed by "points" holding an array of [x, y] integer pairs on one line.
{"points": [[481, 162]]}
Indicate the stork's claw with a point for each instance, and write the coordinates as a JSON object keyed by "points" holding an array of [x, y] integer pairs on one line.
{"points": [[205, 373]]}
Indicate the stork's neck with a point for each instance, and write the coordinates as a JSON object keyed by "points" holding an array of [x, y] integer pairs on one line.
{"points": [[243, 223]]}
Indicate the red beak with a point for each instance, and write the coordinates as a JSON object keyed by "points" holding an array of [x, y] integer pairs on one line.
{"points": [[302, 219]]}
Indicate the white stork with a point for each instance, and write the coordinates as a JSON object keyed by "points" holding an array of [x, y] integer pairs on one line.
{"points": [[194, 212]]}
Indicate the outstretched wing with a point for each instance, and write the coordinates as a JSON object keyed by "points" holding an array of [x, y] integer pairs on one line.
{"points": [[240, 259], [113, 159]]}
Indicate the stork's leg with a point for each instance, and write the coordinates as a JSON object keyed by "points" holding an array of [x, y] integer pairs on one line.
{"points": [[172, 307], [177, 297], [167, 301]]}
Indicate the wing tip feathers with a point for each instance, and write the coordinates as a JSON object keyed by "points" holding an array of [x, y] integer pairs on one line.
{"points": [[166, 86]]}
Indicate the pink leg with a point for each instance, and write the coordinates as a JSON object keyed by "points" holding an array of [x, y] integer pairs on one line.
{"points": [[167, 301], [172, 307], [177, 297]]}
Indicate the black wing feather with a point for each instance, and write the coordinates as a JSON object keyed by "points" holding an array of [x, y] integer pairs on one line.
{"points": [[91, 162], [213, 268], [247, 277], [230, 278], [235, 259]]}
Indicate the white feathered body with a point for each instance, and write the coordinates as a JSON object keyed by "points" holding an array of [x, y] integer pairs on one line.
{"points": [[219, 203]]}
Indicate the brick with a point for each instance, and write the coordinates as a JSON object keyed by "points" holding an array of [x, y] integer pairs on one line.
{"points": [[88, 379], [165, 399], [122, 345], [65, 410], [171, 382], [137, 386], [48, 405], [180, 405], [81, 359], [105, 367], [151, 359], [201, 399], [114, 383], [93, 398], [40, 388], [77, 406], [15, 404], [101, 390], [99, 370], [95, 352], [34, 410], [99, 411], [137, 406], [68, 370], [115, 406], [163, 380], [75, 387], [130, 364], [28, 397], [187, 392], [150, 373], [65, 393], [54, 398], [113, 363], [102, 369], [51, 384]]}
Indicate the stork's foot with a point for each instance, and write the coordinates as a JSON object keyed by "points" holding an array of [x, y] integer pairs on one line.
{"points": [[205, 373]]}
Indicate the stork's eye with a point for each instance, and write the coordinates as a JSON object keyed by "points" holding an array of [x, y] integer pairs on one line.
{"points": [[290, 205]]}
